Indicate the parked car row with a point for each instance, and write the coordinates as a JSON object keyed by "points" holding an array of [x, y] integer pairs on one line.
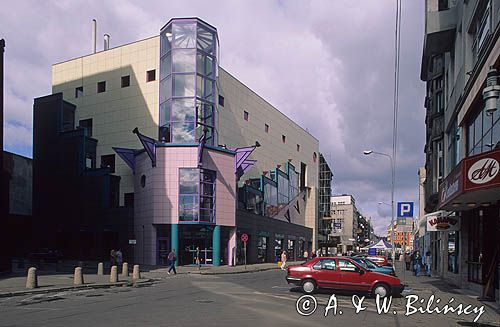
{"points": [[344, 273]]}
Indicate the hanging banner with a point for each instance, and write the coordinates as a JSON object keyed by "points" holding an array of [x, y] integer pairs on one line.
{"points": [[441, 221]]}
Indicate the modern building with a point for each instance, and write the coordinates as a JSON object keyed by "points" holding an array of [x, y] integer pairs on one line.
{"points": [[202, 158], [344, 223], [325, 193], [460, 65]]}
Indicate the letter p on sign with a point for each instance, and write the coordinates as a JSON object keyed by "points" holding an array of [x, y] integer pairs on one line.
{"points": [[405, 209]]}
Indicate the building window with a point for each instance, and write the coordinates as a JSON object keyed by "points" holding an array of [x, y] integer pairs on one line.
{"points": [[283, 138], [481, 32], [196, 195], [221, 100], [86, 124], [143, 181], [101, 87], [108, 160], [483, 132], [440, 168], [298, 147], [128, 200], [151, 75], [266, 128], [453, 252], [79, 92], [126, 81], [315, 156], [245, 115]]}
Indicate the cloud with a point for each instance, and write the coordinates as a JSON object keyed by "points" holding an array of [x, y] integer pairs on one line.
{"points": [[328, 65]]}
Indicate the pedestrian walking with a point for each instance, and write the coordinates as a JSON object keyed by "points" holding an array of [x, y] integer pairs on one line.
{"points": [[417, 261], [428, 262], [283, 260], [112, 257], [172, 258], [119, 257], [306, 255], [198, 259], [407, 260]]}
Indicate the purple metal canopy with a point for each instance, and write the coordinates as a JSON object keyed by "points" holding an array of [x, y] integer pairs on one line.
{"points": [[127, 155], [149, 145]]}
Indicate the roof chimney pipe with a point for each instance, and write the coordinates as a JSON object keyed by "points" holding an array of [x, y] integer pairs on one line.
{"points": [[94, 35], [106, 42]]}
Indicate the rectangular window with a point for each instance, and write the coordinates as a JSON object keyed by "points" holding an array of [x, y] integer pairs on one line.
{"points": [[151, 75], [108, 160], [86, 124], [101, 87], [453, 252], [126, 81], [79, 92], [283, 138], [266, 128], [245, 115], [298, 147], [221, 100], [440, 159]]}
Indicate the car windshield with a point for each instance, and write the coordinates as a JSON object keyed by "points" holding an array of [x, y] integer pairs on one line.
{"points": [[362, 263], [371, 263]]}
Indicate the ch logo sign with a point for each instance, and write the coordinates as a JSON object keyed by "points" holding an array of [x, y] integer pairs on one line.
{"points": [[405, 209]]}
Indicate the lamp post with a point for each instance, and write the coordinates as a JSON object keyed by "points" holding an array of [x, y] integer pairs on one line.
{"points": [[366, 153]]}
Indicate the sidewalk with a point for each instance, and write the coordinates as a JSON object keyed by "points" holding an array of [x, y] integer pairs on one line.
{"points": [[54, 281], [424, 286]]}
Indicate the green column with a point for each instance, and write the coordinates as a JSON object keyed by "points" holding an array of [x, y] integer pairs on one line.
{"points": [[174, 236], [216, 246]]}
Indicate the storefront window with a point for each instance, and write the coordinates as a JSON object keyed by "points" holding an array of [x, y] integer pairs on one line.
{"points": [[483, 132], [453, 252], [262, 249]]}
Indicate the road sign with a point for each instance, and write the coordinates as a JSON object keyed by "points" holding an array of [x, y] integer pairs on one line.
{"points": [[244, 237], [405, 209]]}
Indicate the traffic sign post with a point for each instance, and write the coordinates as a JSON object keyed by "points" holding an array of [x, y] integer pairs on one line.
{"points": [[244, 239]]}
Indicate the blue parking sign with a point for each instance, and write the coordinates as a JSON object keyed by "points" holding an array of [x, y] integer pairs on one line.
{"points": [[405, 209]]}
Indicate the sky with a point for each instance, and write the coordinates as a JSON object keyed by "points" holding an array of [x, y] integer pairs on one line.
{"points": [[328, 65]]}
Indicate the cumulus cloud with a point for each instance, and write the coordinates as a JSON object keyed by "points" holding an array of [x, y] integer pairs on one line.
{"points": [[326, 64]]}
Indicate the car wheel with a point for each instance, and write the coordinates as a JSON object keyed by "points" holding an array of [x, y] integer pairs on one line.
{"points": [[381, 289], [308, 286]]}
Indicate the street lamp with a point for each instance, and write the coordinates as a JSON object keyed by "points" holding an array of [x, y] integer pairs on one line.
{"points": [[366, 153]]}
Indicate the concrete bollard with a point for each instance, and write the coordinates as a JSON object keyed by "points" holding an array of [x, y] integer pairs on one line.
{"points": [[100, 268], [32, 279], [125, 269], [136, 275], [113, 278], [78, 278]]}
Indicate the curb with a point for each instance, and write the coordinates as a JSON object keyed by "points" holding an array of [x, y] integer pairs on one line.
{"points": [[232, 272], [75, 288]]}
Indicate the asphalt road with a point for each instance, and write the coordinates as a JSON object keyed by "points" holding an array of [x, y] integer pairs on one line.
{"points": [[252, 299]]}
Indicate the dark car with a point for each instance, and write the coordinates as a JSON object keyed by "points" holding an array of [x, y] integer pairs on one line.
{"points": [[372, 266], [341, 273]]}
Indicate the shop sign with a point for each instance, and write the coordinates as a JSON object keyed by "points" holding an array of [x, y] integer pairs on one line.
{"points": [[442, 222], [451, 186], [482, 171]]}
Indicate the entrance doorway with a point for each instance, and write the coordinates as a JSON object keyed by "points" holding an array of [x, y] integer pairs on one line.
{"points": [[162, 251], [191, 238]]}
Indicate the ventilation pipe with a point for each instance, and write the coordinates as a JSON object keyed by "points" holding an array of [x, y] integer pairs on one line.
{"points": [[94, 35], [106, 42]]}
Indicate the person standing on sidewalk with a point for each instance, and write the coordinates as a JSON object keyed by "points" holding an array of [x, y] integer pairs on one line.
{"points": [[306, 255], [172, 258], [428, 261], [198, 260], [283, 260], [407, 260], [119, 257], [417, 261], [112, 257]]}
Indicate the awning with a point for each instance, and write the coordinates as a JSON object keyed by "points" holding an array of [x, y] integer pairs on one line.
{"points": [[474, 182], [380, 245]]}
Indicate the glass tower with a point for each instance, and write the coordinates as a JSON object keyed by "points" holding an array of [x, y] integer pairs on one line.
{"points": [[189, 51]]}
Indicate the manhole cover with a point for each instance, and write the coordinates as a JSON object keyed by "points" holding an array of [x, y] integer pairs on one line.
{"points": [[204, 301]]}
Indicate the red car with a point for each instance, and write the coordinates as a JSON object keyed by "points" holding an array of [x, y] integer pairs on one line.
{"points": [[341, 273]]}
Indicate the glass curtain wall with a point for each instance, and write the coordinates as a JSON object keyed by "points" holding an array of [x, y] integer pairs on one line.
{"points": [[196, 195], [188, 75], [483, 132]]}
